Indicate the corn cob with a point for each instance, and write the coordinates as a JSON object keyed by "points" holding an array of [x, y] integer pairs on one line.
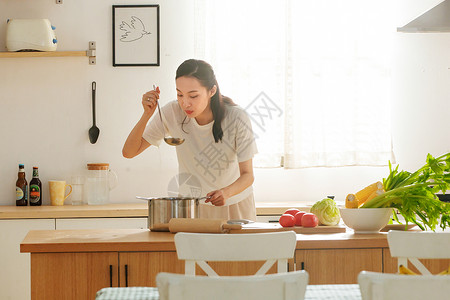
{"points": [[371, 196], [365, 192], [445, 272], [351, 201], [405, 271]]}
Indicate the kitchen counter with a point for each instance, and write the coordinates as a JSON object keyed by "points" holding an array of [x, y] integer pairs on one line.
{"points": [[116, 210], [45, 241], [87, 260]]}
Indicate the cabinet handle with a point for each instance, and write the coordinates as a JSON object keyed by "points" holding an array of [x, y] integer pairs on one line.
{"points": [[302, 265], [110, 275], [126, 275]]}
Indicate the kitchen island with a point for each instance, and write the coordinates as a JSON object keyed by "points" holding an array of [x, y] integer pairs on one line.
{"points": [[17, 221], [74, 264]]}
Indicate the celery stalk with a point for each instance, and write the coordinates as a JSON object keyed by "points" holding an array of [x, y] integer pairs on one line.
{"points": [[413, 194]]}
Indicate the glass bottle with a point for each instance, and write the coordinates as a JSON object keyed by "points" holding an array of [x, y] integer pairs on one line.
{"points": [[21, 188], [35, 189]]}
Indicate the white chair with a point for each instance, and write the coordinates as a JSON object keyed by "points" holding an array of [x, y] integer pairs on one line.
{"points": [[410, 246], [383, 286], [285, 286], [199, 248]]}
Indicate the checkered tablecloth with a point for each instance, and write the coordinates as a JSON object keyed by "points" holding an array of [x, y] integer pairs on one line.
{"points": [[333, 292], [129, 293], [313, 292]]}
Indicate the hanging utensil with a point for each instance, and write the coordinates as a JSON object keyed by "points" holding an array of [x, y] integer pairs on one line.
{"points": [[173, 141], [94, 131]]}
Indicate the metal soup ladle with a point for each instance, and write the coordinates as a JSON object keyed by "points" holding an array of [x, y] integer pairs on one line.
{"points": [[173, 141]]}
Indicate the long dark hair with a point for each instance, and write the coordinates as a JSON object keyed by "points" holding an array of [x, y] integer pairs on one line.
{"points": [[204, 73]]}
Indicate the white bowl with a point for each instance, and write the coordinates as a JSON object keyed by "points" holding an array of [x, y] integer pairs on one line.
{"points": [[366, 220]]}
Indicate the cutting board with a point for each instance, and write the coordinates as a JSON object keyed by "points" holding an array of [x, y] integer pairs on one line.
{"points": [[259, 227]]}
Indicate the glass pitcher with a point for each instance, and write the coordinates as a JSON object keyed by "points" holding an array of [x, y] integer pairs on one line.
{"points": [[99, 181]]}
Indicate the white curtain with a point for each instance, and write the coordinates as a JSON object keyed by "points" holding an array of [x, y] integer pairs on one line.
{"points": [[314, 76]]}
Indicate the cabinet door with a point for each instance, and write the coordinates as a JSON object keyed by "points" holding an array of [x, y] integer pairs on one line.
{"points": [[141, 268], [102, 223], [15, 266], [337, 266], [72, 275], [435, 266]]}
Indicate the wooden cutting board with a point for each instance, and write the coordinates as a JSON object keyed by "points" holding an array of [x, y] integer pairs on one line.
{"points": [[258, 227]]}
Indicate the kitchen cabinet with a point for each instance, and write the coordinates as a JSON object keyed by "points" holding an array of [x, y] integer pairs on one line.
{"points": [[79, 275], [338, 266], [15, 266], [141, 268], [72, 275], [435, 266]]}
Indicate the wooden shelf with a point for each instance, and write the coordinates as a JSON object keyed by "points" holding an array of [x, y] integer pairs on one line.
{"points": [[43, 54], [89, 53]]}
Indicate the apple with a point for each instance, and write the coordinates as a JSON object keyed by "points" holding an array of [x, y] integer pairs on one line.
{"points": [[310, 220], [298, 218], [292, 211], [287, 220]]}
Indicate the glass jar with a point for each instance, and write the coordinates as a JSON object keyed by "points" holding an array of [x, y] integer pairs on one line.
{"points": [[99, 181]]}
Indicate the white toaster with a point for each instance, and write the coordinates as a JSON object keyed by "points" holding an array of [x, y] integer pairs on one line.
{"points": [[30, 35]]}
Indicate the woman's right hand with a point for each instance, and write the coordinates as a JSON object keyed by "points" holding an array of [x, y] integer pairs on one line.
{"points": [[149, 101]]}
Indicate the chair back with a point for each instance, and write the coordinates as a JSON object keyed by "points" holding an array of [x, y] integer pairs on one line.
{"points": [[287, 286], [383, 286], [198, 248], [412, 246]]}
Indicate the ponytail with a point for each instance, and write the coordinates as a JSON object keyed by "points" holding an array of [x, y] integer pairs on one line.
{"points": [[204, 73]]}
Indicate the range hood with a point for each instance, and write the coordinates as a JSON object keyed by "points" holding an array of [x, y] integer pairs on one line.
{"points": [[436, 19]]}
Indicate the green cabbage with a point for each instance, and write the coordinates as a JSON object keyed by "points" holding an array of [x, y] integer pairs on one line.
{"points": [[327, 212]]}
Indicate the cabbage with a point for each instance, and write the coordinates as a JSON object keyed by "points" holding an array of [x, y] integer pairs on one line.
{"points": [[327, 212]]}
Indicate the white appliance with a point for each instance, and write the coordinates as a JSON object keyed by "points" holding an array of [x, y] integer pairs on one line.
{"points": [[30, 35]]}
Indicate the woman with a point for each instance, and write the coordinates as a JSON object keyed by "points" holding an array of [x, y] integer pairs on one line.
{"points": [[219, 143]]}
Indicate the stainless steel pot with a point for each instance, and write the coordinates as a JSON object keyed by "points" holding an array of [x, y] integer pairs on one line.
{"points": [[161, 210]]}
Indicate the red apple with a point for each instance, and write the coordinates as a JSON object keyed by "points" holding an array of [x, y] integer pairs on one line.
{"points": [[298, 218], [287, 220], [310, 220], [292, 211]]}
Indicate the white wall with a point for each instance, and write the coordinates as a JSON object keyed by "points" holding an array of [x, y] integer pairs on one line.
{"points": [[45, 105]]}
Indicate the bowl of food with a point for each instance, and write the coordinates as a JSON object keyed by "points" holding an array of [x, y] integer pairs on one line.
{"points": [[366, 220]]}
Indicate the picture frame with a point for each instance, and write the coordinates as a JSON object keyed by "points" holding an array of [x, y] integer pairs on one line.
{"points": [[135, 35]]}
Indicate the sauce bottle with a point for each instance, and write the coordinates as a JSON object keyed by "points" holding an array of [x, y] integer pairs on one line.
{"points": [[21, 188], [35, 189]]}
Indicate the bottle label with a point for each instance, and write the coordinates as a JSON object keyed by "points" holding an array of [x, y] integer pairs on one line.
{"points": [[19, 193], [35, 193]]}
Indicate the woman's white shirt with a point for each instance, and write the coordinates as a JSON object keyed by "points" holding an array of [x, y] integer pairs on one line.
{"points": [[209, 164]]}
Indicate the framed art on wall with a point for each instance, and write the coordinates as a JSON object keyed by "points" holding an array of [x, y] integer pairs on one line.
{"points": [[135, 35]]}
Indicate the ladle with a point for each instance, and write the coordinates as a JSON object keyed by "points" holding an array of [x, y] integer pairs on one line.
{"points": [[173, 141], [94, 131]]}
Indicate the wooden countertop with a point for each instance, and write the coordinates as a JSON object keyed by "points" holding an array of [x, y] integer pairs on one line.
{"points": [[121, 210], [74, 211], [38, 241]]}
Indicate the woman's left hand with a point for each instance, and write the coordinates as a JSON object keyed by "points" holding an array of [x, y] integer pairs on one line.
{"points": [[217, 198]]}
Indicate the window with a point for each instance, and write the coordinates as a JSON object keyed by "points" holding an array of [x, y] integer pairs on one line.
{"points": [[314, 76]]}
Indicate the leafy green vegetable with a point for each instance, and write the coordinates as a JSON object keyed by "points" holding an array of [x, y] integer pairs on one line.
{"points": [[327, 212], [414, 194]]}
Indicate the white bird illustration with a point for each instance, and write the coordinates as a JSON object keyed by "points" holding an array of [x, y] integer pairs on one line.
{"points": [[133, 31]]}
